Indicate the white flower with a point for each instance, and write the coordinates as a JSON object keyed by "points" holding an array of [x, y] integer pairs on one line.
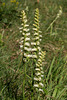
{"points": [[40, 32], [38, 73], [40, 63], [31, 56], [34, 49], [36, 85], [35, 33], [21, 18], [22, 38], [26, 30], [35, 29], [26, 25], [20, 28], [39, 78], [22, 24], [39, 53], [39, 60], [60, 12], [37, 69], [39, 48], [21, 46], [38, 43], [25, 20], [42, 72], [23, 33], [41, 68], [27, 34], [37, 38], [20, 31], [40, 57], [40, 35], [26, 55], [36, 79], [41, 84], [33, 43], [28, 49], [34, 56], [37, 65], [21, 42], [42, 75], [41, 90], [26, 39], [40, 39], [27, 44], [24, 16]]}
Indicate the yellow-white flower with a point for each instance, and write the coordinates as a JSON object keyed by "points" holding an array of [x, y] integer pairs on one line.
{"points": [[40, 35], [41, 84], [34, 56], [35, 29], [27, 44], [39, 74], [36, 85], [37, 38], [38, 42], [27, 49], [42, 75], [33, 43], [25, 21], [35, 33], [34, 49], [20, 31], [27, 34], [37, 69], [25, 29], [39, 48], [20, 28], [21, 46], [26, 39], [41, 90], [26, 25]]}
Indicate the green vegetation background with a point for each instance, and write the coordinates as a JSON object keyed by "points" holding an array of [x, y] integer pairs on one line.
{"points": [[55, 45]]}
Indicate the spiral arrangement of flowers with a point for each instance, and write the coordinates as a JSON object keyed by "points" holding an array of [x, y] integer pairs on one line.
{"points": [[36, 35], [30, 48], [39, 74], [25, 39]]}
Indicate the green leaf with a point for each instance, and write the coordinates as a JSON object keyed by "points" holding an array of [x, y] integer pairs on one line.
{"points": [[50, 68]]}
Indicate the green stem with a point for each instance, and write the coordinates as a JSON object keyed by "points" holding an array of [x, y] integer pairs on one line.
{"points": [[32, 76], [38, 96], [24, 81], [52, 23], [32, 72], [51, 29]]}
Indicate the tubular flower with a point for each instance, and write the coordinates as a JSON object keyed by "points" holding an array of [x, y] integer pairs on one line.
{"points": [[39, 74]]}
